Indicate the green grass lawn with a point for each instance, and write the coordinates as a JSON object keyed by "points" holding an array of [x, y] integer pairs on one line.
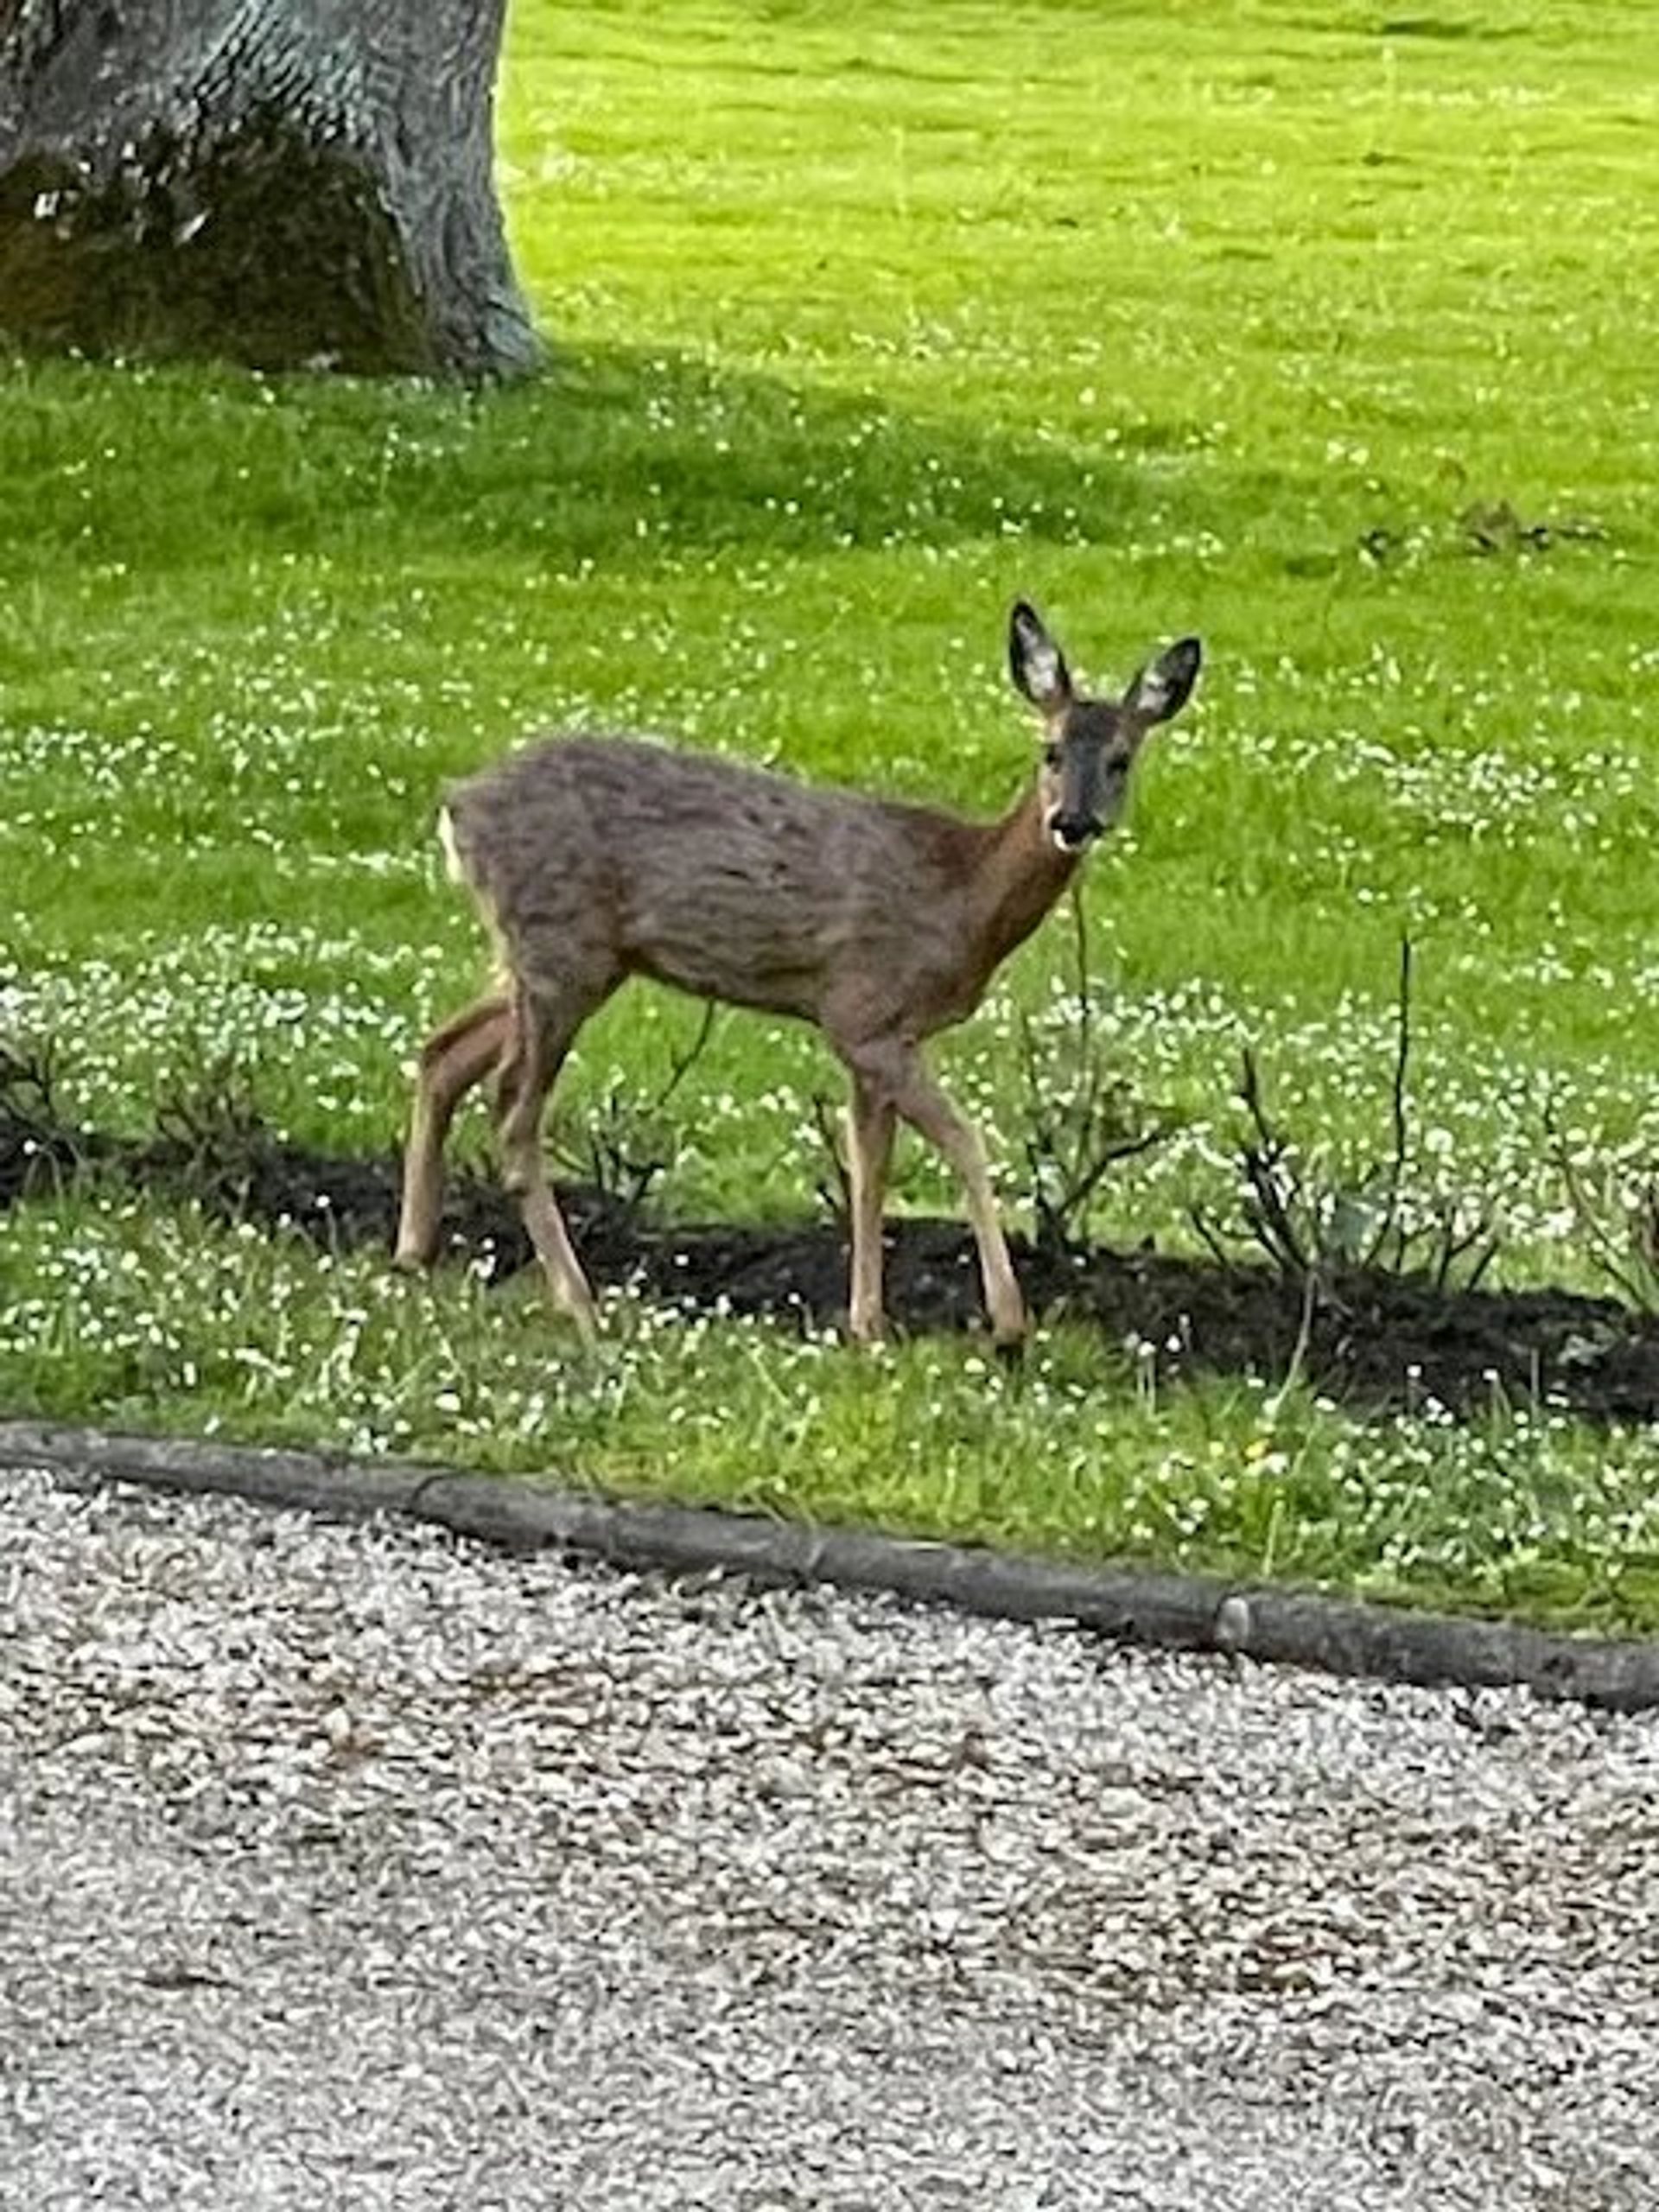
{"points": [[1289, 327]]}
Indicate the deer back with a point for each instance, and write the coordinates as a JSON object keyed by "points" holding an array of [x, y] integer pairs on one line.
{"points": [[597, 857]]}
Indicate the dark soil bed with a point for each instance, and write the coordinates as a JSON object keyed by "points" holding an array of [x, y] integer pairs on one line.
{"points": [[1380, 1343]]}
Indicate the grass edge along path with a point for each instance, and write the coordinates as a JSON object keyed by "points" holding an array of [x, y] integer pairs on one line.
{"points": [[1173, 1612]]}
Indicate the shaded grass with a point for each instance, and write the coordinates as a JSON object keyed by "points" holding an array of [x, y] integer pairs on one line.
{"points": [[869, 319]]}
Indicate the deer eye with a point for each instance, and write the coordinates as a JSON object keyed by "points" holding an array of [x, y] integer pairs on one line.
{"points": [[1050, 756]]}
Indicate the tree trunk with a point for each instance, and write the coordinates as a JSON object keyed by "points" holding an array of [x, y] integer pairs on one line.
{"points": [[289, 183]]}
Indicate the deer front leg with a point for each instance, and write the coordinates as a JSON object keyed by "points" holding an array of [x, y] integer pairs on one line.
{"points": [[927, 1109], [452, 1060], [896, 1071], [870, 1123]]}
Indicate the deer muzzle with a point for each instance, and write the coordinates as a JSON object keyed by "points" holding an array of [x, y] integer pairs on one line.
{"points": [[1072, 832]]}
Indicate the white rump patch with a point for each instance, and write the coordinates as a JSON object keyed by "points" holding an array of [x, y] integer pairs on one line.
{"points": [[446, 839]]}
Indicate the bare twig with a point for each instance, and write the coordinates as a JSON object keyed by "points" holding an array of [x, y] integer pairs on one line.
{"points": [[213, 1120], [1275, 1188], [624, 1146], [27, 1089], [1082, 1118], [1211, 1236], [36, 1142], [1293, 1373], [1480, 1238], [1627, 1256], [835, 1185], [1399, 1094], [1311, 1228], [1082, 975], [683, 1063]]}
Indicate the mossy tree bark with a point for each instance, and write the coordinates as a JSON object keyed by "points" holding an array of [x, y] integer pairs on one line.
{"points": [[285, 182]]}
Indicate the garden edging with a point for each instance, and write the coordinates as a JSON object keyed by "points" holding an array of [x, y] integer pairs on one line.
{"points": [[1124, 1604]]}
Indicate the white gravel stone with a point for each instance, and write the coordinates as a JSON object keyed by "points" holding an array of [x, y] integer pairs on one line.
{"points": [[353, 1866]]}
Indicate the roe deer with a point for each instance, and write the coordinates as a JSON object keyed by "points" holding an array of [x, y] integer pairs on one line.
{"points": [[592, 859]]}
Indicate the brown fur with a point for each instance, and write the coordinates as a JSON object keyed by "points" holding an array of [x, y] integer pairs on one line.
{"points": [[594, 859]]}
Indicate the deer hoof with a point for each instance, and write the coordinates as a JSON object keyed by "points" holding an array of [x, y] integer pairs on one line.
{"points": [[1009, 1332], [582, 1314]]}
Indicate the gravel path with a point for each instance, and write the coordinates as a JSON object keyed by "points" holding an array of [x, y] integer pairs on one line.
{"points": [[354, 1867]]}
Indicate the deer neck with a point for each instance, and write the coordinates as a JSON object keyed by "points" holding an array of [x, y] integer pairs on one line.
{"points": [[1021, 874]]}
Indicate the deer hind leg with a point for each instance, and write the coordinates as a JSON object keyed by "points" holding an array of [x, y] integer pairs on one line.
{"points": [[453, 1060], [542, 1031], [897, 1070], [870, 1122]]}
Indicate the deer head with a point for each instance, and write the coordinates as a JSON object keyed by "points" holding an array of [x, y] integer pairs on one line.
{"points": [[1090, 745]]}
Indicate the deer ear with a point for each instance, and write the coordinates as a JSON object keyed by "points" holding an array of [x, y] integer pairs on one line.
{"points": [[1035, 662], [1163, 690]]}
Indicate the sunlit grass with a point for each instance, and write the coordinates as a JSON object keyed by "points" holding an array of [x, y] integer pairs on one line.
{"points": [[160, 1320], [867, 320]]}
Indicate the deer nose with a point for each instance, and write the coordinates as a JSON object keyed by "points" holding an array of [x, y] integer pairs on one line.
{"points": [[1071, 832]]}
